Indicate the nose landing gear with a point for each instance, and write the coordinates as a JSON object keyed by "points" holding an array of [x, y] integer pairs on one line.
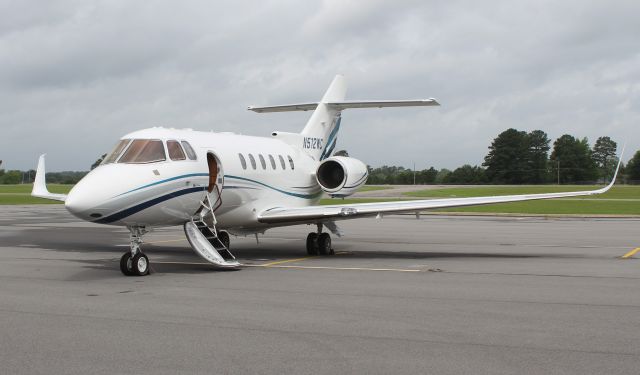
{"points": [[135, 262]]}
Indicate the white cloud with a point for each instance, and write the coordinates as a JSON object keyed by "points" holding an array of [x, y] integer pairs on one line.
{"points": [[76, 75]]}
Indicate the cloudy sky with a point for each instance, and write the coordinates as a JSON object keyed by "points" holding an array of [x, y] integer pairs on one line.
{"points": [[77, 75]]}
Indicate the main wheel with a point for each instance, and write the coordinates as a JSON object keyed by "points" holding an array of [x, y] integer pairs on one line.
{"points": [[126, 266], [140, 264], [324, 244], [224, 238], [312, 243]]}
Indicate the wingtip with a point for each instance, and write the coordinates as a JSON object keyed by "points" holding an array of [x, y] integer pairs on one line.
{"points": [[615, 175]]}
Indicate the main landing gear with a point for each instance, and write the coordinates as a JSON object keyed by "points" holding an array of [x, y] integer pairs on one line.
{"points": [[135, 262], [319, 243]]}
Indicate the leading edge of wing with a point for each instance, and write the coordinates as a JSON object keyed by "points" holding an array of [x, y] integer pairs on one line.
{"points": [[352, 211]]}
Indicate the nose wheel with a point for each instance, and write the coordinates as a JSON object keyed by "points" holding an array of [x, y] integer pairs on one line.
{"points": [[135, 262], [137, 265]]}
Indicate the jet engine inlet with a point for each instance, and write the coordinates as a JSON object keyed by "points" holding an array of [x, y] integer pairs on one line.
{"points": [[341, 176]]}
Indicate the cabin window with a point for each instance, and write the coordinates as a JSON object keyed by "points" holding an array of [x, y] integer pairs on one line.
{"points": [[273, 162], [144, 151], [262, 162], [175, 151], [253, 161], [117, 150], [190, 153], [282, 162], [290, 162], [242, 161]]}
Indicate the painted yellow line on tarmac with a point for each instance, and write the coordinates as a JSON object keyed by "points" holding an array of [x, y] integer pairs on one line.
{"points": [[283, 261], [631, 253]]}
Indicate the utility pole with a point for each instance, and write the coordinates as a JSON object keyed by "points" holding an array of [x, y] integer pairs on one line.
{"points": [[558, 171], [414, 172]]}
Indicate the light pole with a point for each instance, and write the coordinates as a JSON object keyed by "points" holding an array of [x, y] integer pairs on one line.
{"points": [[414, 172], [558, 171]]}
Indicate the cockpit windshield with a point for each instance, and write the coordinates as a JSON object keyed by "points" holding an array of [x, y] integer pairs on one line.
{"points": [[144, 151], [117, 150]]}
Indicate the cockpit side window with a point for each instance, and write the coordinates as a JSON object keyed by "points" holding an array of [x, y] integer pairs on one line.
{"points": [[144, 151], [175, 151], [117, 150], [190, 153]]}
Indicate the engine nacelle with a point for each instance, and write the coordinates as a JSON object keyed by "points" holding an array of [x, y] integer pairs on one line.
{"points": [[341, 176]]}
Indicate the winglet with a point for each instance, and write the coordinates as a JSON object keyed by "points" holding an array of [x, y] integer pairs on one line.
{"points": [[40, 184], [615, 175]]}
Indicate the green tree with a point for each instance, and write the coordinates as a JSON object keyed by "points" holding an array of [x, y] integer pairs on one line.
{"points": [[633, 168], [467, 175], [604, 156], [426, 176], [507, 159], [574, 158], [12, 177], [441, 176], [538, 157]]}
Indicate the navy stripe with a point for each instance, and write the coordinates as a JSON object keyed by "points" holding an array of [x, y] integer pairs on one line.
{"points": [[166, 180], [330, 149], [144, 205], [355, 184], [334, 132], [298, 195]]}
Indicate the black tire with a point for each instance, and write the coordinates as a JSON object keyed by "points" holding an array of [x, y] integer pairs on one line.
{"points": [[324, 244], [126, 264], [223, 236], [312, 243], [140, 264]]}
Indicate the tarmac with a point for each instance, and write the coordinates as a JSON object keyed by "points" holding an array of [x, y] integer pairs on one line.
{"points": [[435, 295]]}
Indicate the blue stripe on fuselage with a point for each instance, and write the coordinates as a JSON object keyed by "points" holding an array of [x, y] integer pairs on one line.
{"points": [[297, 195], [166, 180], [144, 205]]}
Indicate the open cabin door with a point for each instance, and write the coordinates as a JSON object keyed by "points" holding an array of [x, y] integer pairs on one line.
{"points": [[201, 230], [216, 181]]}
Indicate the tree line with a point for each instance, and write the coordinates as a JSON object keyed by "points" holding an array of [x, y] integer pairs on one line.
{"points": [[12, 177], [518, 157]]}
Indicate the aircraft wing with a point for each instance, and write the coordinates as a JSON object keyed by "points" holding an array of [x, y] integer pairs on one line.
{"points": [[40, 185], [352, 211]]}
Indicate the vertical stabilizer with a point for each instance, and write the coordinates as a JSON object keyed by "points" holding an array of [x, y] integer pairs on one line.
{"points": [[321, 132]]}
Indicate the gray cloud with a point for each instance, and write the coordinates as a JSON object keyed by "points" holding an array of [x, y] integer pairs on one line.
{"points": [[76, 75]]}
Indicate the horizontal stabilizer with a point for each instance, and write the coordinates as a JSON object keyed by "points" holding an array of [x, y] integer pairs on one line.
{"points": [[346, 105]]}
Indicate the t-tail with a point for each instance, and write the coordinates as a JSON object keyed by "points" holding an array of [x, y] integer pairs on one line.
{"points": [[320, 134]]}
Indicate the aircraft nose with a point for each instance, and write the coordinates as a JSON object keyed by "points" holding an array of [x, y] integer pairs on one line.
{"points": [[80, 202]]}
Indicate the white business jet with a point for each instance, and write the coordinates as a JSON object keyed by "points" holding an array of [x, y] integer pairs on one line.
{"points": [[214, 184]]}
